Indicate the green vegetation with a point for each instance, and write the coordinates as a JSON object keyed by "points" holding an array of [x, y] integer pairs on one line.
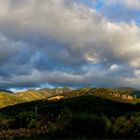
{"points": [[81, 114]]}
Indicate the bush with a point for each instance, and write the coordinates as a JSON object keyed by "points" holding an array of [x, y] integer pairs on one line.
{"points": [[23, 119], [85, 126], [121, 128], [32, 124], [6, 124]]}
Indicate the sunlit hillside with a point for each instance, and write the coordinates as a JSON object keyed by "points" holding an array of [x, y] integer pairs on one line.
{"points": [[30, 95], [7, 99], [125, 95]]}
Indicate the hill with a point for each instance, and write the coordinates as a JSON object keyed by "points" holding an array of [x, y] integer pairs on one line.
{"points": [[107, 93], [46, 92], [7, 99], [131, 91], [119, 94], [31, 95], [80, 114]]}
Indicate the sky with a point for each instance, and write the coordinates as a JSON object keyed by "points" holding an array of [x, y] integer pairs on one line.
{"points": [[73, 43]]}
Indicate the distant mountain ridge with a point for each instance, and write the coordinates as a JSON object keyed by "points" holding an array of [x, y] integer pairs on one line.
{"points": [[6, 98], [31, 94], [117, 94]]}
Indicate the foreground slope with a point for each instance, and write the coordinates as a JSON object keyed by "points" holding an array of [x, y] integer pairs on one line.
{"points": [[83, 103]]}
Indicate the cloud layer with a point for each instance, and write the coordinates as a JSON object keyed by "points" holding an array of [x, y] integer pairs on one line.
{"points": [[66, 43]]}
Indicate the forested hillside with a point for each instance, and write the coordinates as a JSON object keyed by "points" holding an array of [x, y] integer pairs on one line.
{"points": [[80, 114]]}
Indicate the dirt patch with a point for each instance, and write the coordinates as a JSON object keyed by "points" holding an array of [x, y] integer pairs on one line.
{"points": [[56, 98]]}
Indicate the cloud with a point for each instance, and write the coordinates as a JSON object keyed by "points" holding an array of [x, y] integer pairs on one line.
{"points": [[65, 43]]}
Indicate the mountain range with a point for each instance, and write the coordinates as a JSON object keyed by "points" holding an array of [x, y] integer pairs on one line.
{"points": [[119, 94], [8, 98], [63, 113]]}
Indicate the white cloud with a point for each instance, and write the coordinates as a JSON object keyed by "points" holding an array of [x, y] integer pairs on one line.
{"points": [[61, 35], [114, 67]]}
